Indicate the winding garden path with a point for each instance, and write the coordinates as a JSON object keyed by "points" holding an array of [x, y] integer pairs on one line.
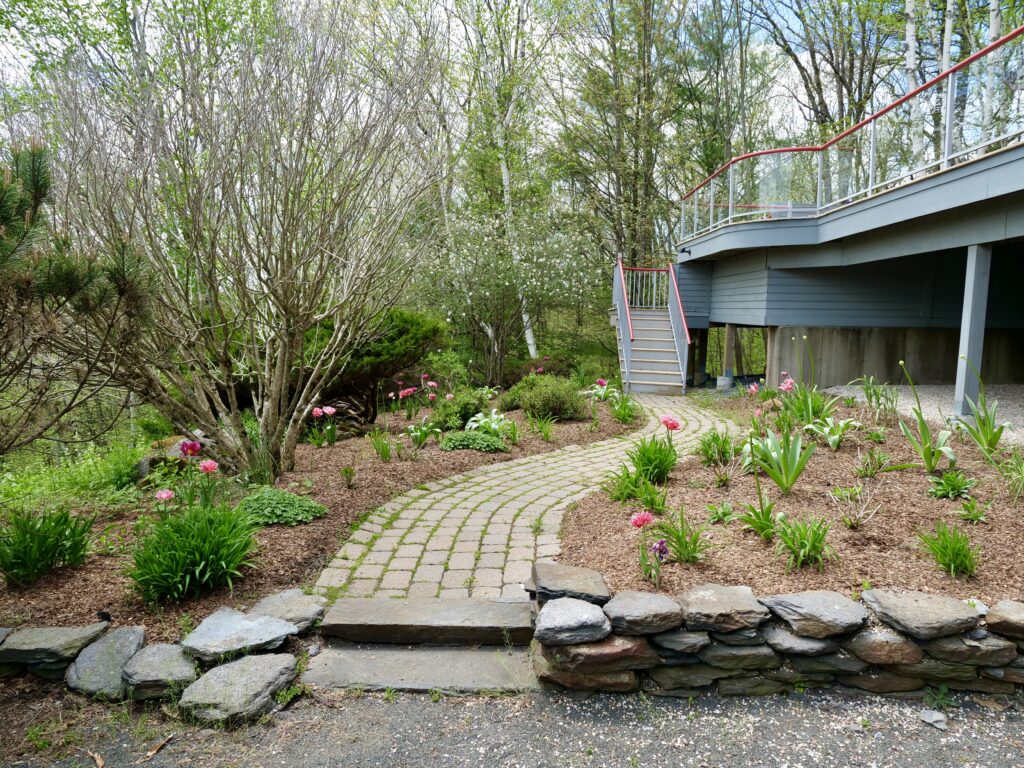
{"points": [[477, 534]]}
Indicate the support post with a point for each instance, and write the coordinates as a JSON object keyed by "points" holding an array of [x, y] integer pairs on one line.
{"points": [[972, 326], [700, 363], [728, 356]]}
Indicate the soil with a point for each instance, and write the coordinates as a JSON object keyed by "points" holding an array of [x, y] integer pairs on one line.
{"points": [[884, 552], [287, 556]]}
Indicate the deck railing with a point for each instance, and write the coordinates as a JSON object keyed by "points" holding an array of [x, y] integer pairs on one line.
{"points": [[649, 288], [620, 298], [971, 109]]}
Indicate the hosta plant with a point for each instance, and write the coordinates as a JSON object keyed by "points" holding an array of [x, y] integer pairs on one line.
{"points": [[494, 423]]}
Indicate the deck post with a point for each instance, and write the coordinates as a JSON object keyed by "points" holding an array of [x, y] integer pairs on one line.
{"points": [[729, 354], [972, 327]]}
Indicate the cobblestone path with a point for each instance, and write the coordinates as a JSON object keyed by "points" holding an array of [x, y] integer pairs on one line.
{"points": [[478, 533]]}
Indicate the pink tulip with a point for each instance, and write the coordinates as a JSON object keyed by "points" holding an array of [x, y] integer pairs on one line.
{"points": [[669, 423], [190, 448], [432, 396], [318, 412], [208, 467], [641, 519], [330, 410], [164, 494], [540, 370], [757, 413], [787, 386], [602, 382], [425, 376], [407, 392], [432, 384], [784, 375], [753, 389], [449, 396]]}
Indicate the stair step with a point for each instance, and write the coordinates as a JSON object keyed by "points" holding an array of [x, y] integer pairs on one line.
{"points": [[640, 374], [668, 363], [430, 620], [656, 388], [453, 670]]}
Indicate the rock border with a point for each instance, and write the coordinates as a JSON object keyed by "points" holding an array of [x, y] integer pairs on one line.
{"points": [[724, 639]]}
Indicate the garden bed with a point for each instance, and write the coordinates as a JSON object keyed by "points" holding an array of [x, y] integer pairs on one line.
{"points": [[884, 552], [287, 556]]}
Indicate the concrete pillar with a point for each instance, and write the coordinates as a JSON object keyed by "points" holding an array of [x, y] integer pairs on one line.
{"points": [[972, 326]]}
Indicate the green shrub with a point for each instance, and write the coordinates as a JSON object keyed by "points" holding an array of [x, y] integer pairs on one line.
{"points": [[453, 414], [952, 550], [715, 447], [804, 541], [446, 367], [187, 554], [653, 458], [472, 441], [953, 484], [34, 544], [153, 424], [273, 506], [510, 398], [554, 396], [686, 542]]}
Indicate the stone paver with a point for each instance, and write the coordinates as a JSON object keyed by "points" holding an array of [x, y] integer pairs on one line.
{"points": [[478, 533]]}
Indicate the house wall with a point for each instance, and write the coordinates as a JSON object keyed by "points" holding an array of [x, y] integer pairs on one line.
{"points": [[695, 291]]}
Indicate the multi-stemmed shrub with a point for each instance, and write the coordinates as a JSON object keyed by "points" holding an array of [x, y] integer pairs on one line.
{"points": [[931, 448], [454, 413], [715, 448], [191, 552], [832, 431], [554, 396], [952, 549], [274, 506], [953, 484], [803, 542], [686, 543], [33, 544], [783, 459], [472, 441], [653, 458]]}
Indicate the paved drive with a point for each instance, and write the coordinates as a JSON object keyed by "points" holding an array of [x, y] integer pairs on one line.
{"points": [[477, 534]]}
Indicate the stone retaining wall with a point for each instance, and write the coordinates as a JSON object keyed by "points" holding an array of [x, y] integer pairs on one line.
{"points": [[723, 638]]}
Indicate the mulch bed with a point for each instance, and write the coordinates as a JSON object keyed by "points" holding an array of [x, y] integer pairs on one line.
{"points": [[287, 557], [885, 552]]}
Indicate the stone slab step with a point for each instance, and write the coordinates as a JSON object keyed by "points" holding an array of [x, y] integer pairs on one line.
{"points": [[430, 620], [453, 670]]}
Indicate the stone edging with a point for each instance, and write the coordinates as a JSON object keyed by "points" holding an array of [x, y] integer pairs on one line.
{"points": [[715, 638]]}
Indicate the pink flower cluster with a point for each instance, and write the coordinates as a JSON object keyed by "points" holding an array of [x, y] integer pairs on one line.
{"points": [[208, 466], [602, 382], [407, 392], [641, 519], [327, 410], [670, 423], [787, 385]]}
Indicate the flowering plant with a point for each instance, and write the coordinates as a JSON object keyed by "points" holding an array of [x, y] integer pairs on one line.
{"points": [[324, 432], [641, 519], [602, 390], [753, 389]]}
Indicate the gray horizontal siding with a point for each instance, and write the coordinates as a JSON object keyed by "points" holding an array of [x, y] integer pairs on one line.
{"points": [[695, 292], [739, 290]]}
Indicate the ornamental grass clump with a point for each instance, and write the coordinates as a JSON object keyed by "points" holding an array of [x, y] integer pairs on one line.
{"points": [[686, 543], [192, 552], [804, 542], [653, 458], [715, 448], [951, 548], [33, 544]]}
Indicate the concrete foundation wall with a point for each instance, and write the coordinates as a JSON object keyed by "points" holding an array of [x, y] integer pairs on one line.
{"points": [[844, 354]]}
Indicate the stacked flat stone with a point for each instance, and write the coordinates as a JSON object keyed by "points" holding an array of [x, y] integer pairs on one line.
{"points": [[713, 637]]}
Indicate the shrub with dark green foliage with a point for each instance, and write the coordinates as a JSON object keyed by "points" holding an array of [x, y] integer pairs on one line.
{"points": [[554, 396], [453, 414], [187, 554], [32, 545], [510, 399], [554, 365], [472, 441], [273, 506]]}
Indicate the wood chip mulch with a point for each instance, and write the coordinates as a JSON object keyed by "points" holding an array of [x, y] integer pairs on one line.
{"points": [[885, 552], [287, 557]]}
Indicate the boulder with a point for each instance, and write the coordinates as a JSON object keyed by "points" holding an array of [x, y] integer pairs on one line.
{"points": [[675, 658], [568, 620], [555, 580], [990, 651], [294, 606], [817, 614], [933, 669], [238, 691], [48, 650], [721, 609], [4, 632], [982, 685], [692, 676], [921, 615], [1009, 674], [785, 641], [740, 656], [750, 686], [840, 661], [1007, 618], [615, 653], [740, 637], [787, 674], [882, 682], [682, 640], [159, 669], [617, 682], [97, 671], [643, 613], [227, 632], [881, 645]]}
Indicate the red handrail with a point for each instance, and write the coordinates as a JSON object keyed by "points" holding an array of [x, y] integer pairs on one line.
{"points": [[679, 299], [884, 111], [625, 300]]}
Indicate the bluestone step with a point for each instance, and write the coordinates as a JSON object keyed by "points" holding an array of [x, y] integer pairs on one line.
{"points": [[454, 670], [430, 620]]}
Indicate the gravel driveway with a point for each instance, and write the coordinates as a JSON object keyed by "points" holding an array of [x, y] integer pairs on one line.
{"points": [[937, 402], [816, 729]]}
